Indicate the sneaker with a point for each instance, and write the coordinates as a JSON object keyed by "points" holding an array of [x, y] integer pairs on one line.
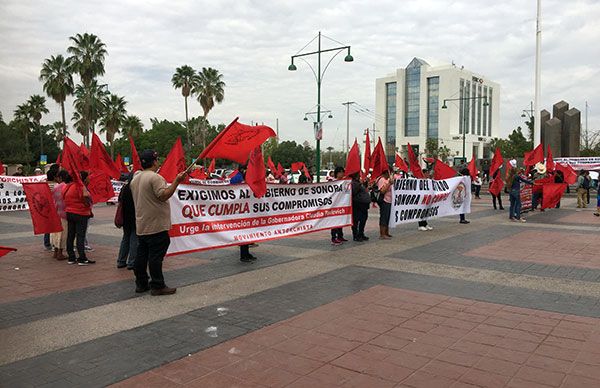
{"points": [[342, 239], [163, 291], [140, 290], [597, 214], [523, 220], [384, 237], [85, 262], [71, 261], [121, 265], [48, 247], [423, 228], [429, 227], [248, 259], [501, 208], [89, 248], [358, 239], [364, 238], [336, 241], [464, 222]]}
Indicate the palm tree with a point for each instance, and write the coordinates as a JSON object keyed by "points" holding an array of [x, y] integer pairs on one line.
{"points": [[209, 89], [87, 56], [58, 82], [59, 131], [185, 78], [37, 107], [132, 126], [21, 117], [112, 118], [88, 107]]}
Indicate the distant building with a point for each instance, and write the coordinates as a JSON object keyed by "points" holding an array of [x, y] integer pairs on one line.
{"points": [[411, 100]]}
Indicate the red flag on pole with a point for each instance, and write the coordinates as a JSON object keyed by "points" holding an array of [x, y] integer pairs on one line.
{"points": [[256, 173], [174, 163], [353, 160], [100, 187], [379, 162], [367, 161], [400, 164], [472, 168], [297, 166], [6, 250], [1, 168], [84, 155], [442, 171], [101, 160], [280, 169], [135, 158], [507, 168], [58, 158], [120, 164], [549, 160], [497, 161], [570, 175], [70, 160], [415, 168], [237, 141], [535, 156], [198, 174], [42, 208], [305, 171], [551, 194], [232, 174], [211, 167], [496, 185], [272, 167]]}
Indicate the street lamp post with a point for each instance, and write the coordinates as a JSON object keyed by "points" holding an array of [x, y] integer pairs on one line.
{"points": [[465, 117], [319, 78]]}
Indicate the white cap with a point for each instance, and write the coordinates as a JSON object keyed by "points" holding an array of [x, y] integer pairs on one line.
{"points": [[513, 163]]}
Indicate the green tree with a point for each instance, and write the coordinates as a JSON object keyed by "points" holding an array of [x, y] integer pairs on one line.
{"points": [[132, 126], [23, 125], [13, 147], [59, 132], [288, 152], [88, 105], [58, 82], [209, 88], [113, 116], [37, 107], [184, 79]]}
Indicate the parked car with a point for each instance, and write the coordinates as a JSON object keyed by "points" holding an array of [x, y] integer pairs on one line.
{"points": [[323, 175]]}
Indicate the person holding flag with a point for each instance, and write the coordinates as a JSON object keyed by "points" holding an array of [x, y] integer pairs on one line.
{"points": [[78, 208], [513, 183]]}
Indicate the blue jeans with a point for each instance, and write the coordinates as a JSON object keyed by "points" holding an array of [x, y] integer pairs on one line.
{"points": [[47, 240], [128, 249], [515, 205]]}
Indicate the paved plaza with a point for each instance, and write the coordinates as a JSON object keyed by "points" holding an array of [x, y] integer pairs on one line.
{"points": [[489, 304]]}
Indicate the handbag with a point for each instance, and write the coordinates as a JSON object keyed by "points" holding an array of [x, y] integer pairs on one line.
{"points": [[119, 215]]}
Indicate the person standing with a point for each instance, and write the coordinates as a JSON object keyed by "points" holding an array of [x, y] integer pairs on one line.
{"points": [[151, 194], [581, 190], [385, 205], [361, 200], [78, 209], [463, 220], [59, 239], [499, 196], [129, 242], [477, 186], [337, 234], [514, 186]]}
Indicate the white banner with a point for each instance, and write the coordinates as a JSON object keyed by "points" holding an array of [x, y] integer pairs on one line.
{"points": [[12, 196], [416, 200], [117, 186], [208, 217], [582, 163]]}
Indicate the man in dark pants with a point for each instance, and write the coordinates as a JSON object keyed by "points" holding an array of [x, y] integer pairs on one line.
{"points": [[153, 221], [361, 200]]}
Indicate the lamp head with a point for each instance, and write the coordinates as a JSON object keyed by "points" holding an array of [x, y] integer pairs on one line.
{"points": [[444, 106], [349, 58], [292, 67], [330, 116], [486, 103], [305, 118], [523, 115]]}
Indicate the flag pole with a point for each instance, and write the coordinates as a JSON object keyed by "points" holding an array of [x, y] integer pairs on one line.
{"points": [[537, 135]]}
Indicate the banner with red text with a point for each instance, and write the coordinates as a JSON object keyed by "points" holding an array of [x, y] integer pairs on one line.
{"points": [[209, 217], [12, 195], [416, 200]]}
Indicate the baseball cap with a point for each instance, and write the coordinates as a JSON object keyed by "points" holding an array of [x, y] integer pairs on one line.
{"points": [[148, 156]]}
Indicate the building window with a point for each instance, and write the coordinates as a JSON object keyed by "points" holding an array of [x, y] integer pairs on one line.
{"points": [[479, 104], [461, 107], [491, 91], [485, 110], [433, 100], [412, 96], [467, 102], [390, 115], [473, 112]]}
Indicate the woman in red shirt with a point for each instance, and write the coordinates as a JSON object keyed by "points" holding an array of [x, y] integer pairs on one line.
{"points": [[78, 206]]}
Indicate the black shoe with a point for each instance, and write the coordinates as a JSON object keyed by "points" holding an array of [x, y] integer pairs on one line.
{"points": [[130, 268], [358, 239], [163, 291], [364, 238], [121, 265], [465, 222], [140, 290], [342, 239], [85, 262], [71, 261], [248, 258], [501, 208]]}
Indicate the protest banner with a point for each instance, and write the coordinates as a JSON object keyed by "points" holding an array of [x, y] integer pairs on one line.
{"points": [[12, 195], [416, 200], [526, 193], [209, 217], [116, 185]]}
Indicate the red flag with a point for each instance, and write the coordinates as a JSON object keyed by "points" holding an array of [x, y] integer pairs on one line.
{"points": [[100, 187], [496, 185], [367, 162], [174, 163], [256, 173], [570, 175], [378, 161], [297, 166], [353, 160], [535, 156], [400, 164], [5, 250], [70, 160], [232, 174], [1, 168], [442, 171], [549, 160], [497, 161], [42, 208], [552, 193], [211, 167], [58, 158], [101, 160], [84, 155], [272, 166], [472, 169], [198, 174], [120, 164], [415, 168], [305, 171], [280, 169], [507, 168], [237, 141], [135, 158]]}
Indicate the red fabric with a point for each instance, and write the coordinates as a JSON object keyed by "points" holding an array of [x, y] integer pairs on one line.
{"points": [[42, 208], [101, 160], [198, 174], [1, 168], [496, 185], [211, 167], [74, 200], [71, 161], [442, 171], [353, 160], [272, 167], [549, 160], [120, 164], [297, 166], [100, 187], [552, 194], [174, 163], [233, 173], [5, 250], [400, 164], [280, 169], [415, 168], [84, 155], [237, 141], [58, 158], [367, 162], [379, 162], [507, 168], [305, 171], [497, 161], [569, 174], [535, 156], [135, 158], [472, 169], [256, 173]]}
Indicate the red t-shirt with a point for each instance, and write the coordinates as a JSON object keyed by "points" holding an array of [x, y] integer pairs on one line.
{"points": [[75, 202]]}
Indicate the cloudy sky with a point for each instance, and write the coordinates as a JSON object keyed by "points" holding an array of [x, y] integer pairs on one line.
{"points": [[251, 42]]}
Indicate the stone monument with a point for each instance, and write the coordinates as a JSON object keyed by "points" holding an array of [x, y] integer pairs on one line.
{"points": [[562, 131]]}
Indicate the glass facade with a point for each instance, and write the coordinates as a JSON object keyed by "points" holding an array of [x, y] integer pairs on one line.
{"points": [[461, 107], [412, 95], [433, 100], [473, 112], [479, 105], [491, 91], [485, 111], [390, 116]]}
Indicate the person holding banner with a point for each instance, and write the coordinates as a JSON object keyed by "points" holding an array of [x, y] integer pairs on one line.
{"points": [[78, 208], [337, 234], [129, 242], [514, 186], [384, 184], [151, 195], [361, 200]]}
